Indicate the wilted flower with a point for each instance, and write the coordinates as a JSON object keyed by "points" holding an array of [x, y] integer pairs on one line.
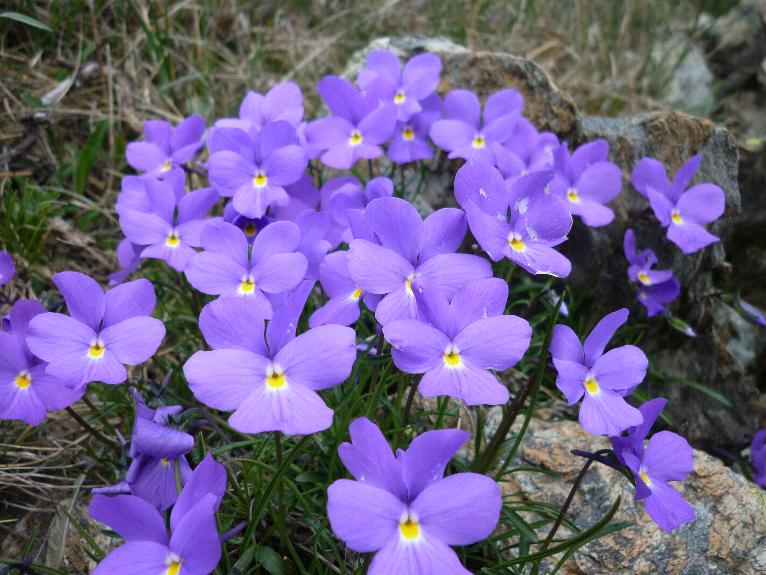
{"points": [[230, 267], [403, 508], [27, 392], [405, 88], [101, 334], [758, 457], [682, 211], [165, 147], [455, 344], [270, 385], [358, 126], [7, 267], [411, 247], [255, 168], [192, 543], [603, 378], [587, 181], [465, 134]]}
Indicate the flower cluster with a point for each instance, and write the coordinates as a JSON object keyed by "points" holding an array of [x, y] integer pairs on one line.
{"points": [[279, 227]]}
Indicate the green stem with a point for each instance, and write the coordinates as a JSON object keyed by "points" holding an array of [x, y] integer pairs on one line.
{"points": [[92, 430]]}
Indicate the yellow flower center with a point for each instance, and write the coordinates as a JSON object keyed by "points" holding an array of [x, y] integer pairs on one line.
{"points": [[165, 461], [357, 293], [516, 243], [407, 134], [642, 295], [167, 165], [247, 286], [23, 380], [250, 229], [452, 358], [275, 380], [356, 138], [399, 98], [675, 215], [409, 529], [259, 180], [479, 141], [591, 384], [96, 350], [409, 286], [174, 568], [645, 479], [172, 240], [573, 196], [643, 277]]}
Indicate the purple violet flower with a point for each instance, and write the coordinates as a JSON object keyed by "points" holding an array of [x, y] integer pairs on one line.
{"points": [[758, 457], [158, 453], [465, 135], [255, 169], [538, 221], [343, 306], [403, 508], [172, 229], [347, 193], [358, 126], [270, 385], [455, 344], [129, 258], [603, 378], [656, 288], [667, 457], [230, 267], [27, 392], [7, 267], [682, 211], [410, 247], [284, 102], [103, 332], [191, 545], [587, 181], [166, 148], [405, 88], [530, 152], [410, 142]]}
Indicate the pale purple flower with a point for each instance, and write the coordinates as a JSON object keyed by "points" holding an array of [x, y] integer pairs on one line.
{"points": [[255, 169], [538, 221], [172, 229], [410, 247], [165, 147], [345, 193], [603, 378], [529, 152], [283, 102], [7, 267], [102, 333], [406, 87], [158, 453], [465, 134], [270, 385], [315, 229], [682, 211], [455, 343], [358, 126], [343, 306], [27, 392], [667, 457], [758, 457], [129, 258], [411, 141], [191, 544], [587, 181], [230, 267], [656, 288], [403, 508], [136, 192]]}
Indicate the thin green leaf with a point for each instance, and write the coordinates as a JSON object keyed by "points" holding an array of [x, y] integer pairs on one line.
{"points": [[24, 19]]}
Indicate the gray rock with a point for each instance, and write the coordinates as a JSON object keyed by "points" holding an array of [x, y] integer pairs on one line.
{"points": [[728, 535], [691, 86]]}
